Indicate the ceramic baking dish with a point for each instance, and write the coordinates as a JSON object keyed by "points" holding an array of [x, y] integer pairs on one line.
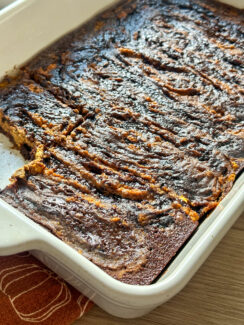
{"points": [[26, 26]]}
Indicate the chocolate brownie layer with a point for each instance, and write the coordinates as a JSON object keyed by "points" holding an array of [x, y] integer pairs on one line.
{"points": [[132, 241], [134, 124], [32, 116]]}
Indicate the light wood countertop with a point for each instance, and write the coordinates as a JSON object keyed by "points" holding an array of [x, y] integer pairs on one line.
{"points": [[214, 296]]}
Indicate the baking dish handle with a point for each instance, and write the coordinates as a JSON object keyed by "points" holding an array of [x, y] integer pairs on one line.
{"points": [[17, 233]]}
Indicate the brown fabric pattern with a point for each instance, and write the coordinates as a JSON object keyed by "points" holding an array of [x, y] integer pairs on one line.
{"points": [[32, 294]]}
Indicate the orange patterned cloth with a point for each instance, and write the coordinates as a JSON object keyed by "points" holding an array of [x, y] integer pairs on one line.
{"points": [[32, 294]]}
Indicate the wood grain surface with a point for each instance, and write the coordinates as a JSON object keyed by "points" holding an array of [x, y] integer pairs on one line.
{"points": [[215, 295]]}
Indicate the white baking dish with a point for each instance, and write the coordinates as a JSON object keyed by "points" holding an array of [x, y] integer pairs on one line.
{"points": [[25, 28]]}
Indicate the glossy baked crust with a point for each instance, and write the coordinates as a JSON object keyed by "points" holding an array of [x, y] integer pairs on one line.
{"points": [[134, 126]]}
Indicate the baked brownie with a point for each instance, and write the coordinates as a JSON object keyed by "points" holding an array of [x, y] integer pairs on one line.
{"points": [[131, 240], [32, 116], [134, 125]]}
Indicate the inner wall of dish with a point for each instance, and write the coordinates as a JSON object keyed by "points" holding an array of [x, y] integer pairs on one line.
{"points": [[10, 160]]}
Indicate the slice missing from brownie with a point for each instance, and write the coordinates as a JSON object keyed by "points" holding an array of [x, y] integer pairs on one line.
{"points": [[134, 128]]}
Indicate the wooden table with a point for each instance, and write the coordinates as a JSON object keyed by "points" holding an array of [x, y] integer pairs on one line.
{"points": [[215, 295]]}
